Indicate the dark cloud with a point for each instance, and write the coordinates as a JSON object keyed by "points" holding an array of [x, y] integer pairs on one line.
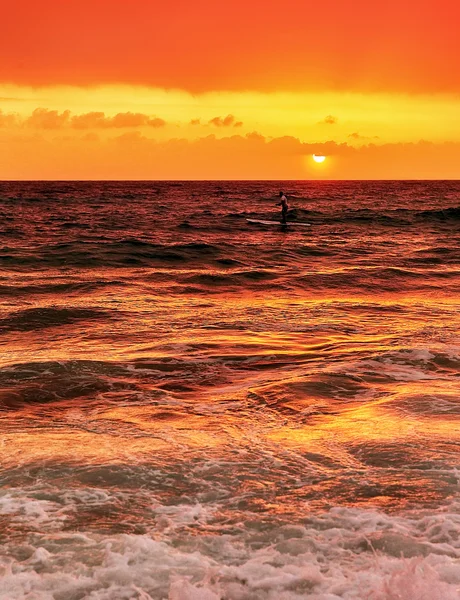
{"points": [[195, 122]]}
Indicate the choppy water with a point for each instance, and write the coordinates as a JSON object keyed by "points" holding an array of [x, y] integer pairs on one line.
{"points": [[193, 407]]}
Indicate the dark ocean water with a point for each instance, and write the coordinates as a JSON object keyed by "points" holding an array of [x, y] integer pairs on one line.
{"points": [[194, 407]]}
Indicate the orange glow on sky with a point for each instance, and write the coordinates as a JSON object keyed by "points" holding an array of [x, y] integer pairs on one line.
{"points": [[87, 86]]}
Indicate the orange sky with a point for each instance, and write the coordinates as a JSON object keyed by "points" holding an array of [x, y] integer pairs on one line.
{"points": [[354, 74]]}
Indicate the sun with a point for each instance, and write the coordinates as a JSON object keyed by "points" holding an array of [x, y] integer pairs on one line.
{"points": [[319, 158]]}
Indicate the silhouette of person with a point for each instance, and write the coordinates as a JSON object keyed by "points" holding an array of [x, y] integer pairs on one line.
{"points": [[284, 207]]}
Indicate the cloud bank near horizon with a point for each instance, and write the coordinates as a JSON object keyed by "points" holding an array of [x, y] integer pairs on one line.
{"points": [[132, 155]]}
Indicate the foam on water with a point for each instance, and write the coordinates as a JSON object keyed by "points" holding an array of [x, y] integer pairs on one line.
{"points": [[346, 553], [342, 553]]}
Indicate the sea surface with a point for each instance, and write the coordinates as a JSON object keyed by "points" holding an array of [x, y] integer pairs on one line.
{"points": [[194, 407]]}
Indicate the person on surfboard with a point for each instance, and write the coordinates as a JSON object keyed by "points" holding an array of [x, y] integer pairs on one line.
{"points": [[284, 207]]}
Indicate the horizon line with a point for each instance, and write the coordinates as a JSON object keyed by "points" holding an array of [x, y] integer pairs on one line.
{"points": [[213, 180]]}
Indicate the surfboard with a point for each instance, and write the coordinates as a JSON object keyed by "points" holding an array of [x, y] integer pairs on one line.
{"points": [[261, 222]]}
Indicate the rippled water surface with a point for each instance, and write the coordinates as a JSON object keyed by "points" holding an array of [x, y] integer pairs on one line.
{"points": [[195, 407]]}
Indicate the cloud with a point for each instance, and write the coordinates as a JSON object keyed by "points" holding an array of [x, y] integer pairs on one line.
{"points": [[131, 137], [91, 120], [228, 121], [8, 120], [98, 120], [337, 47], [156, 122], [130, 119], [127, 119], [42, 118], [195, 122], [132, 155], [357, 136], [255, 135], [329, 120]]}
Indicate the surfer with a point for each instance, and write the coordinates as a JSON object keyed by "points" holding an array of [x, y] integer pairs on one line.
{"points": [[284, 207]]}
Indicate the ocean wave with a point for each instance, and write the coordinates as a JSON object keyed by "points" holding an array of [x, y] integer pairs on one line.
{"points": [[435, 404], [58, 289], [236, 278], [450, 213], [39, 383], [109, 253], [31, 319]]}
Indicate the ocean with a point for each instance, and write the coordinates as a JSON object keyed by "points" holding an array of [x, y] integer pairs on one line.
{"points": [[195, 407]]}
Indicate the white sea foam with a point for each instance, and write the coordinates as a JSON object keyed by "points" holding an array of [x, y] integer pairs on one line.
{"points": [[343, 553]]}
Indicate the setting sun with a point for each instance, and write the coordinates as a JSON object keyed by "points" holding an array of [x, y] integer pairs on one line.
{"points": [[319, 158]]}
